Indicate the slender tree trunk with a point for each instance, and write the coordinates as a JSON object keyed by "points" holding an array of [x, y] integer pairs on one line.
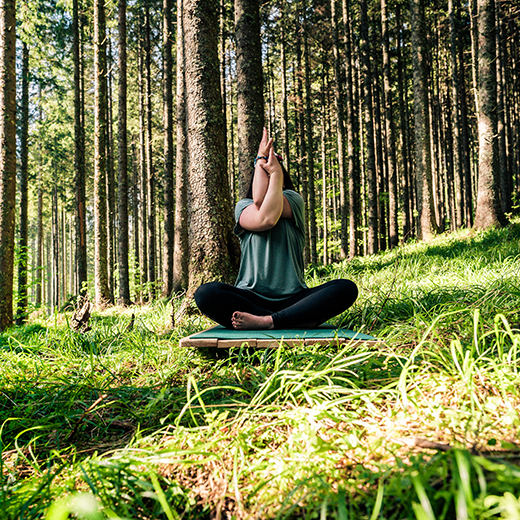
{"points": [[455, 90], [285, 114], [23, 253], [309, 138], [303, 141], [150, 173], [489, 211], [214, 251], [122, 170], [143, 189], [370, 163], [393, 232], [427, 224], [169, 210], [340, 132], [110, 177], [351, 137], [7, 158], [181, 248], [403, 135], [102, 292], [250, 88], [79, 158]]}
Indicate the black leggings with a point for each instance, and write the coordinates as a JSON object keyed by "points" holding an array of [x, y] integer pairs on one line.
{"points": [[307, 308]]}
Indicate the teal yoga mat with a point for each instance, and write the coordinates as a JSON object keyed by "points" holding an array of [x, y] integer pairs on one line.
{"points": [[225, 338]]}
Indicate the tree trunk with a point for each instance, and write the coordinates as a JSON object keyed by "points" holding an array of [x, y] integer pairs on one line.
{"points": [[143, 189], [7, 158], [340, 132], [393, 232], [285, 114], [406, 189], [250, 88], [455, 94], [102, 293], [122, 167], [370, 163], [79, 159], [309, 124], [181, 247], [23, 254], [150, 173], [169, 210], [427, 224], [303, 141], [351, 134], [214, 250], [489, 211]]}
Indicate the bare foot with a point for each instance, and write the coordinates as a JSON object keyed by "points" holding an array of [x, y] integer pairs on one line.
{"points": [[245, 321]]}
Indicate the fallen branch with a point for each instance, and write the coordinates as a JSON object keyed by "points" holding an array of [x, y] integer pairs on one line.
{"points": [[417, 442]]}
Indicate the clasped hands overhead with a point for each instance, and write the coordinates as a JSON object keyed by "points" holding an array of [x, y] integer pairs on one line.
{"points": [[266, 155]]}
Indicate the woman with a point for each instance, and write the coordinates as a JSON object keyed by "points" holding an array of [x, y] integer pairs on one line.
{"points": [[270, 291]]}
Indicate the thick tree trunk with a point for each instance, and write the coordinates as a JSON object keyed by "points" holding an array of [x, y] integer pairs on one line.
{"points": [[122, 170], [427, 224], [168, 181], [181, 248], [489, 211], [102, 293], [23, 251], [285, 113], [214, 250], [250, 88]]}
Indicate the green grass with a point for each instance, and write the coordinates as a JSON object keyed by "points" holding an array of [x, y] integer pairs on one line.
{"points": [[118, 424]]}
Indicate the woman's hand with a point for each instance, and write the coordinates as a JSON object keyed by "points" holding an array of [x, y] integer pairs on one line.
{"points": [[272, 165], [266, 145]]}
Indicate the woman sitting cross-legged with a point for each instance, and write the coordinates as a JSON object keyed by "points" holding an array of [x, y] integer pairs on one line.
{"points": [[270, 291]]}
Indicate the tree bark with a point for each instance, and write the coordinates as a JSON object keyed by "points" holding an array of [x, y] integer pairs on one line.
{"points": [[122, 170], [79, 158], [427, 224], [309, 138], [393, 231], [23, 254], [340, 132], [370, 162], [489, 211], [7, 158], [168, 180], [102, 292], [214, 250], [250, 88], [181, 247], [150, 172]]}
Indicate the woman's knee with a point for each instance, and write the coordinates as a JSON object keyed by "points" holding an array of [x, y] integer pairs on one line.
{"points": [[347, 290], [207, 294]]}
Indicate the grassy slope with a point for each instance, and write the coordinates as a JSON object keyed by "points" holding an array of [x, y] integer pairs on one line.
{"points": [[424, 427]]}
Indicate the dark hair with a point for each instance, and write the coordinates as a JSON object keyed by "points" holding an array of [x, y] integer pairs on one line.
{"points": [[287, 182]]}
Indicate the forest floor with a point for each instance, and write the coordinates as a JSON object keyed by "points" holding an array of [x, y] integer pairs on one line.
{"points": [[121, 422]]}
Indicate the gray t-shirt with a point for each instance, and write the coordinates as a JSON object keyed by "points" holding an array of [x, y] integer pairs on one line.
{"points": [[271, 264]]}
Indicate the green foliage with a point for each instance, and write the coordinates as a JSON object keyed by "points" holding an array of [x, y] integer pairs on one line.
{"points": [[120, 423]]}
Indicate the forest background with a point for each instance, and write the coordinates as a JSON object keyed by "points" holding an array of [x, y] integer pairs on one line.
{"points": [[137, 124]]}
